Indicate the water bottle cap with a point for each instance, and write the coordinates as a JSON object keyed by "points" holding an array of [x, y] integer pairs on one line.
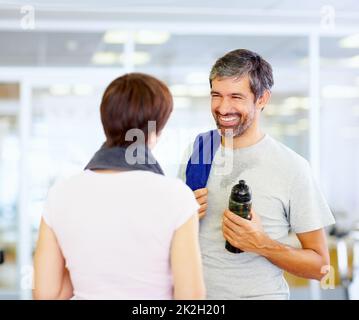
{"points": [[242, 184], [241, 192]]}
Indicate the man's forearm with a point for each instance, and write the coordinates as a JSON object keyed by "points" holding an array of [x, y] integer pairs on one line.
{"points": [[304, 263]]}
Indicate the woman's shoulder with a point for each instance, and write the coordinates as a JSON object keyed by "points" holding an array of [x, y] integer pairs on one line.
{"points": [[64, 183], [169, 186], [172, 187], [168, 182]]}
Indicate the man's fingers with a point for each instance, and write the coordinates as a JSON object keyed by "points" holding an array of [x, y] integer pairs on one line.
{"points": [[203, 207], [200, 192], [230, 225], [201, 197], [227, 232], [235, 218], [230, 236], [202, 200], [201, 214]]}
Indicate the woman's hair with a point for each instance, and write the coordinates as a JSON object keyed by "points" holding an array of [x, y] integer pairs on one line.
{"points": [[130, 102]]}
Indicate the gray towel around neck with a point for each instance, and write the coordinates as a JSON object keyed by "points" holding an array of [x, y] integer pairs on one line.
{"points": [[123, 158]]}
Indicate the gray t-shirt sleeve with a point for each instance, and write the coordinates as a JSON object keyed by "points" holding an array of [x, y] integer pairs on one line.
{"points": [[308, 209]]}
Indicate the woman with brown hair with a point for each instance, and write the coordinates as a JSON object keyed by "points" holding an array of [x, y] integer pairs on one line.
{"points": [[121, 229]]}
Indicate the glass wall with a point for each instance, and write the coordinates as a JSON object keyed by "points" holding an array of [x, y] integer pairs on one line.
{"points": [[9, 180], [184, 62], [340, 126], [65, 128]]}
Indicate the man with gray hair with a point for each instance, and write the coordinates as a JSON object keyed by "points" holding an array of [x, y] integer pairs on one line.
{"points": [[285, 195]]}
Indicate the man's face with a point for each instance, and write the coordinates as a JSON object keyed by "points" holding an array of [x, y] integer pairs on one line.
{"points": [[232, 104]]}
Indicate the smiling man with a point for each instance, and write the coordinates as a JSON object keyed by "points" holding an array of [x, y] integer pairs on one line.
{"points": [[285, 195]]}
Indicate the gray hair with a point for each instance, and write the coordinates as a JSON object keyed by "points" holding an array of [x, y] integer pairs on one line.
{"points": [[242, 62]]}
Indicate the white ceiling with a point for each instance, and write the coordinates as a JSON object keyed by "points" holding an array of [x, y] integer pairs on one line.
{"points": [[60, 47], [262, 11], [265, 5], [78, 48]]}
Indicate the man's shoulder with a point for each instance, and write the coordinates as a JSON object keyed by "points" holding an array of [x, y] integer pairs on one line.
{"points": [[287, 157]]}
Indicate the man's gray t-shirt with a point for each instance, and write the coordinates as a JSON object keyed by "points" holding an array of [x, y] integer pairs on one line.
{"points": [[284, 195]]}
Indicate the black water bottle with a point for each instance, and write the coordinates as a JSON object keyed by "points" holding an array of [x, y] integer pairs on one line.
{"points": [[240, 203]]}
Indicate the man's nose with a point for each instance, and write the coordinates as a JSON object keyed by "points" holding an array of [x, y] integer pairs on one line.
{"points": [[224, 106]]}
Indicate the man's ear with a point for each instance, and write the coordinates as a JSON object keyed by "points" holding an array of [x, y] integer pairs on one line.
{"points": [[263, 100]]}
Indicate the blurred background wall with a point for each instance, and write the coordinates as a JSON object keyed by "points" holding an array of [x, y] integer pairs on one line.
{"points": [[57, 57]]}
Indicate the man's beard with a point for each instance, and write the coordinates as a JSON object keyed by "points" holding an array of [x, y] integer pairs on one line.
{"points": [[245, 121]]}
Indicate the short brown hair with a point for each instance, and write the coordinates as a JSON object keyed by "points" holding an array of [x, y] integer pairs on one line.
{"points": [[130, 102]]}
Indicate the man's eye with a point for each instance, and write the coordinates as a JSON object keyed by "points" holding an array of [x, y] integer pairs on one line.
{"points": [[237, 97]]}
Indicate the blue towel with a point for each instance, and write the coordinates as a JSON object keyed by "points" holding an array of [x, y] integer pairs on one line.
{"points": [[200, 163]]}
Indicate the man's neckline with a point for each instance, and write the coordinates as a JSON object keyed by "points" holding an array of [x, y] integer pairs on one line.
{"points": [[250, 147]]}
